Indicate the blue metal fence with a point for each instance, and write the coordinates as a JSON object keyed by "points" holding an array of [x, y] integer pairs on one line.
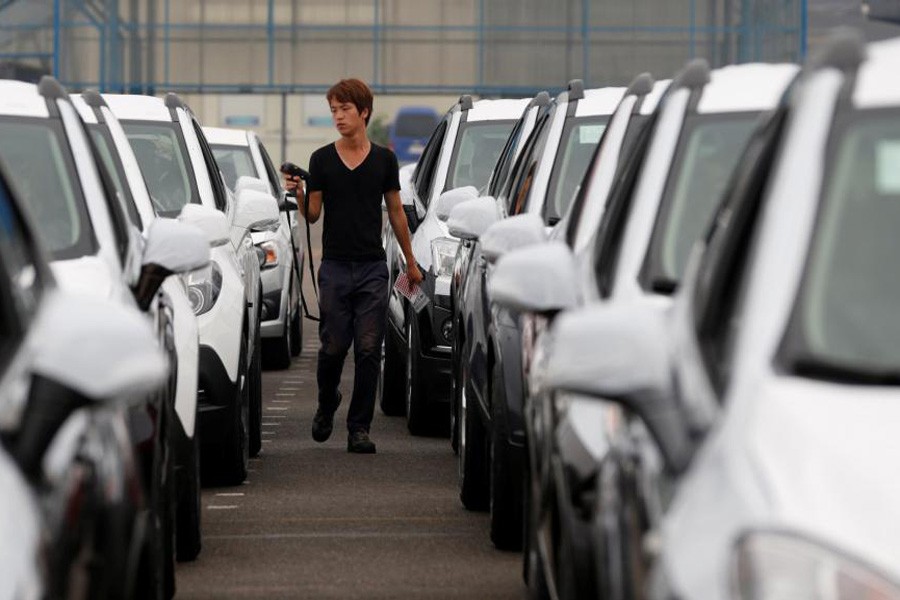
{"points": [[497, 47]]}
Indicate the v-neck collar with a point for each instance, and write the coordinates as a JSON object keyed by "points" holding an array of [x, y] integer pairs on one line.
{"points": [[346, 166]]}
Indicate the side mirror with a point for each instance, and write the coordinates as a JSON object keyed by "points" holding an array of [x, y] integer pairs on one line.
{"points": [[515, 232], [451, 198], [245, 182], [256, 211], [171, 247], [620, 354], [536, 279], [101, 351], [289, 203], [469, 219], [405, 175], [211, 222]]}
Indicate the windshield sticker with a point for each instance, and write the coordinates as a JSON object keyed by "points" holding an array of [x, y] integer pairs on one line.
{"points": [[889, 167], [589, 134]]}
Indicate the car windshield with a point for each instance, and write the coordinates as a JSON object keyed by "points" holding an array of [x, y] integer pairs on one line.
{"points": [[415, 125], [35, 150], [576, 147], [166, 170], [477, 148], [234, 162], [847, 308], [707, 153]]}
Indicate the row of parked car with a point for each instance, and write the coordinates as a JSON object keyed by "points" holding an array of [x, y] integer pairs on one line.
{"points": [[663, 327], [148, 270]]}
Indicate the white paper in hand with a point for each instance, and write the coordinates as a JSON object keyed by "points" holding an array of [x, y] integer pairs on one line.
{"points": [[411, 292]]}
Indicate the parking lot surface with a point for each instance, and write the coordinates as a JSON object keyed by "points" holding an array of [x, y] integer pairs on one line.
{"points": [[313, 521]]}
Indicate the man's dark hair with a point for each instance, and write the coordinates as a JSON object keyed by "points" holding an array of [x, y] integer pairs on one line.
{"points": [[354, 91]]}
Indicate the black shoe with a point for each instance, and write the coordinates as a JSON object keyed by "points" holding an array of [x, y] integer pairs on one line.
{"points": [[358, 442], [323, 422]]}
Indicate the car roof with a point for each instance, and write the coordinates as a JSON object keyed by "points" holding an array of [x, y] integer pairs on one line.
{"points": [[746, 87], [651, 100], [21, 99], [226, 136], [600, 101], [497, 110], [877, 84], [133, 107]]}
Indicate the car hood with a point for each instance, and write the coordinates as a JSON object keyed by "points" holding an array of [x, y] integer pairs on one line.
{"points": [[800, 456], [89, 275]]}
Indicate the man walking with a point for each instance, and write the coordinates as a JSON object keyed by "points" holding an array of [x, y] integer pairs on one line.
{"points": [[348, 178]]}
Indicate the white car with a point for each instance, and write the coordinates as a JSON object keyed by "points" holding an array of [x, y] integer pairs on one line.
{"points": [[461, 153], [97, 250], [184, 181], [113, 149], [240, 154]]}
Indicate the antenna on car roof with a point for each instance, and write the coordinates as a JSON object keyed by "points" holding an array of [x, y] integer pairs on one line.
{"points": [[575, 89], [695, 74], [641, 85], [845, 50], [465, 102], [49, 87]]}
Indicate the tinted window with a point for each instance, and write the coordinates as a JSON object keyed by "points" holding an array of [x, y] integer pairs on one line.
{"points": [[477, 147], [234, 162], [415, 125], [164, 164], [272, 173], [515, 194], [215, 176], [579, 139], [105, 150], [507, 155], [424, 172], [707, 153], [46, 182], [847, 311]]}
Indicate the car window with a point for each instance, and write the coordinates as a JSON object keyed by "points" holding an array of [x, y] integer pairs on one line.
{"points": [[414, 125], [580, 138], [20, 276], [271, 172], [507, 155], [706, 156], [478, 144], [515, 194], [103, 144], [162, 156], [48, 185], [423, 176], [234, 162], [220, 197], [845, 322], [727, 247]]}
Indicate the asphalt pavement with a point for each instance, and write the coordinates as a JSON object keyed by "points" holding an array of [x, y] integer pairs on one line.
{"points": [[313, 521]]}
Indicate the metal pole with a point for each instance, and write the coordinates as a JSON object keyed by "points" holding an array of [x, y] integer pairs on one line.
{"points": [[284, 134], [585, 40], [480, 68], [57, 24], [167, 34], [376, 44], [150, 86], [271, 34], [693, 16], [804, 28]]}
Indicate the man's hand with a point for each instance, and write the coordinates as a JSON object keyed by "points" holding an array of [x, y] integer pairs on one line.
{"points": [[413, 272], [292, 184]]}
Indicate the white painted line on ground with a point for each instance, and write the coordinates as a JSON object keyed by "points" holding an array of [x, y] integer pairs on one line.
{"points": [[230, 494], [290, 389], [289, 394], [276, 417], [281, 401], [267, 432], [271, 424], [277, 408], [222, 507]]}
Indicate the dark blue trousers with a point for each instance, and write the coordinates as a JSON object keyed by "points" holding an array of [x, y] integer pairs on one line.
{"points": [[353, 299]]}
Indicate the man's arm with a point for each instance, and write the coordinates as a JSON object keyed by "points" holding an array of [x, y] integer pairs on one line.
{"points": [[401, 231]]}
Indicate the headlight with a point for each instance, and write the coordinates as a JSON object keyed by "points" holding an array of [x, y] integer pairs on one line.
{"points": [[204, 286], [268, 254], [443, 254], [778, 566]]}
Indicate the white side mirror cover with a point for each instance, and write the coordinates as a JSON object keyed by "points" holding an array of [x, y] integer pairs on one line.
{"points": [[536, 279], [245, 182], [515, 232], [257, 211], [470, 219], [451, 198], [100, 349], [176, 247], [211, 222]]}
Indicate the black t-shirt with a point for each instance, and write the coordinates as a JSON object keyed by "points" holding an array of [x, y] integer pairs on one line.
{"points": [[352, 201]]}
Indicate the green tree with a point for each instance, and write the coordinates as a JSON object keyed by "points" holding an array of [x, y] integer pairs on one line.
{"points": [[378, 130]]}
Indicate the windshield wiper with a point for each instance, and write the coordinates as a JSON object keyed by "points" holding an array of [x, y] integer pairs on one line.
{"points": [[818, 367]]}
